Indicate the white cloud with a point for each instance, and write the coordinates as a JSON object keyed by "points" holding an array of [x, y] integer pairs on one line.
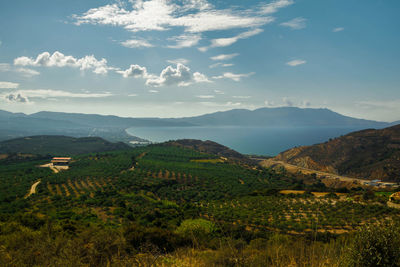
{"points": [[5, 67], [296, 23], [296, 62], [219, 64], [205, 96], [183, 61], [224, 56], [338, 29], [153, 91], [233, 76], [241, 96], [181, 76], [194, 16], [287, 102], [27, 72], [132, 95], [185, 40], [135, 71], [48, 93], [269, 103], [228, 104], [58, 59], [8, 85], [222, 42], [305, 104], [136, 43], [16, 98], [219, 92], [273, 7], [200, 78]]}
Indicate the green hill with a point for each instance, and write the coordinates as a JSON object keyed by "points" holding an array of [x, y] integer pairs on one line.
{"points": [[58, 145]]}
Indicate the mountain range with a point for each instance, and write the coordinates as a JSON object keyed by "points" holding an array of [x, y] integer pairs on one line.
{"points": [[13, 125]]}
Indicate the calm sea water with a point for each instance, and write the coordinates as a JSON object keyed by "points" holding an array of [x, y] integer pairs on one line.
{"points": [[248, 140]]}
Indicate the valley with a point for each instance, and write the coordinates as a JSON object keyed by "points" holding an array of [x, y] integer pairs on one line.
{"points": [[176, 196]]}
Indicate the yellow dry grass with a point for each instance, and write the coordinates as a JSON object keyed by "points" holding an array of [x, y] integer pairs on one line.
{"points": [[50, 188], [67, 193], [58, 189]]}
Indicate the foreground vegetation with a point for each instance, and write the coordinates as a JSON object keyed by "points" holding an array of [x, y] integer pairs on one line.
{"points": [[165, 205]]}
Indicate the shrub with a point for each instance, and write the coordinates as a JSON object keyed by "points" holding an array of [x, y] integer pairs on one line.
{"points": [[375, 245], [198, 230]]}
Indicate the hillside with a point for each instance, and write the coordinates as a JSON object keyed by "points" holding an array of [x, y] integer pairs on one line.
{"points": [[210, 147], [58, 145], [370, 154], [171, 205]]}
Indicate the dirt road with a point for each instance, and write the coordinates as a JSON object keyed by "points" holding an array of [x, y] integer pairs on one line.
{"points": [[325, 175], [33, 188]]}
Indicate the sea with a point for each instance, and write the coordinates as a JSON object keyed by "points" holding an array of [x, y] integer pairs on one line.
{"points": [[267, 141]]}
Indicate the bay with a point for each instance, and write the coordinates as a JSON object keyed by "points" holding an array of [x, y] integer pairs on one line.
{"points": [[248, 140]]}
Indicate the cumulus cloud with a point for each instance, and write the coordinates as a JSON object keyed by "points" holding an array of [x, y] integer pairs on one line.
{"points": [[8, 85], [338, 29], [19, 98], [222, 42], [233, 76], [296, 62], [135, 71], [181, 75], [136, 43], [274, 7], [185, 40], [195, 16], [224, 56], [296, 23], [58, 59]]}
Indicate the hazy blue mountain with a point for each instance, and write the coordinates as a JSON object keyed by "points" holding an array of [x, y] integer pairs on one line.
{"points": [[94, 120], [284, 116], [112, 128]]}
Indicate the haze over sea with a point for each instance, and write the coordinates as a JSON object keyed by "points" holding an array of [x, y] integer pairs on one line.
{"points": [[248, 140]]}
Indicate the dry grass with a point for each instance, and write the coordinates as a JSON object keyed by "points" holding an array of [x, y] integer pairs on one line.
{"points": [[67, 193], [76, 193], [50, 188], [58, 189]]}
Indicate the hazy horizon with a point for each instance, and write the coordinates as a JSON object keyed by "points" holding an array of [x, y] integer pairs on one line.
{"points": [[195, 115]]}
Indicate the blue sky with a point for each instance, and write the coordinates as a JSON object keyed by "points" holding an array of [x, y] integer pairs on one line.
{"points": [[180, 58]]}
